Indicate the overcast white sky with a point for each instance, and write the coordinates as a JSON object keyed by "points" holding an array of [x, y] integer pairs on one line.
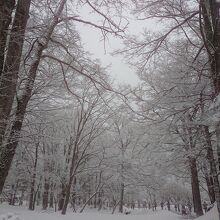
{"points": [[91, 39]]}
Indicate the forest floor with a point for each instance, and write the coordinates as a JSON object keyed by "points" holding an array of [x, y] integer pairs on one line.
{"points": [[21, 213]]}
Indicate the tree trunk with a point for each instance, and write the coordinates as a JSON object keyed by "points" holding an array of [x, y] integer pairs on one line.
{"points": [[11, 195], [195, 187], [51, 200], [67, 197], [210, 186], [6, 8], [211, 31], [213, 168], [32, 193], [51, 195], [121, 198], [10, 72], [46, 194], [7, 153], [61, 198]]}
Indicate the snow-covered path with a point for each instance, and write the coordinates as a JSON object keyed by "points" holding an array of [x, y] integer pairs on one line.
{"points": [[24, 214], [21, 213]]}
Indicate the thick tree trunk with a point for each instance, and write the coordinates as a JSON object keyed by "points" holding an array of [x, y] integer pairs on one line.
{"points": [[7, 153], [213, 167], [195, 187], [211, 30], [9, 75], [6, 8]]}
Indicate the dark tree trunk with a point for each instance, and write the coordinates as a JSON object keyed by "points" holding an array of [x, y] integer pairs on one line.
{"points": [[71, 178], [15, 193], [10, 72], [74, 195], [11, 195], [121, 198], [211, 32], [38, 198], [51, 200], [6, 8], [21, 198], [51, 195], [67, 193], [95, 198], [7, 153], [210, 186], [61, 198], [195, 187], [46, 194], [213, 167], [32, 193]]}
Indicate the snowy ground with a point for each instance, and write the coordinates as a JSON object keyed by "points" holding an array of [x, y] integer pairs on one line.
{"points": [[21, 213]]}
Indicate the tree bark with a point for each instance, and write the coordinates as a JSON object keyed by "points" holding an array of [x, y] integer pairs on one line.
{"points": [[68, 188], [7, 153], [121, 198], [61, 197], [211, 32], [213, 167], [32, 193], [6, 8], [51, 196], [195, 187], [10, 72], [46, 194]]}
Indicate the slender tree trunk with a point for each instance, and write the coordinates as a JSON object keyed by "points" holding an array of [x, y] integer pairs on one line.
{"points": [[32, 193], [15, 192], [68, 188], [74, 195], [87, 202], [51, 200], [121, 198], [51, 195], [38, 197], [195, 187], [95, 198], [11, 195], [71, 178], [62, 197], [46, 194], [210, 186]]}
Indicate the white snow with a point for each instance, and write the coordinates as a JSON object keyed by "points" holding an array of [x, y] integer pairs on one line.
{"points": [[21, 213], [211, 215]]}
